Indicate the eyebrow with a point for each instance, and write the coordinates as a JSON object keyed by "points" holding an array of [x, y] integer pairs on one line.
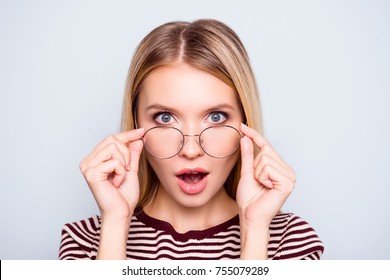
{"points": [[158, 107], [221, 107], [213, 108]]}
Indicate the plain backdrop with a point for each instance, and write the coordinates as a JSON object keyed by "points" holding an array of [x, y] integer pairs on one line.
{"points": [[323, 72]]}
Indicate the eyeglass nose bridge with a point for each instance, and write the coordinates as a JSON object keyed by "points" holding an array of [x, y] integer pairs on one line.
{"points": [[189, 135]]}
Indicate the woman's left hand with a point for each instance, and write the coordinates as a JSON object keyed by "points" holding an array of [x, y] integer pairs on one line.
{"points": [[266, 181]]}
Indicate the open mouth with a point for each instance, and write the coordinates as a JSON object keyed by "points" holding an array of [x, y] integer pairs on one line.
{"points": [[192, 177], [192, 182]]}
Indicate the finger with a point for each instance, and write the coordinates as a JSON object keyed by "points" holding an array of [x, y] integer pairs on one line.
{"points": [[111, 151], [254, 135], [269, 152], [131, 135], [135, 148], [271, 177], [263, 159], [262, 143], [104, 170], [120, 138], [115, 169], [246, 156], [104, 147]]}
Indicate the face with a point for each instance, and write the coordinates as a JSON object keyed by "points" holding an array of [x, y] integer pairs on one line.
{"points": [[191, 100]]}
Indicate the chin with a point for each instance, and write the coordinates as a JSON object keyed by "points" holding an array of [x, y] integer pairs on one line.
{"points": [[207, 196]]}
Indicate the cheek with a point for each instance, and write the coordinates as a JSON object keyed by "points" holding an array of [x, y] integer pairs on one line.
{"points": [[160, 167], [224, 166]]}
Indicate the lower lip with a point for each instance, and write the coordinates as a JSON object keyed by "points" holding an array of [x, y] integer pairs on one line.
{"points": [[192, 188]]}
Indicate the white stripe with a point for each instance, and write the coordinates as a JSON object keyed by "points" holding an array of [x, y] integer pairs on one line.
{"points": [[78, 239], [153, 255], [301, 249], [165, 242]]}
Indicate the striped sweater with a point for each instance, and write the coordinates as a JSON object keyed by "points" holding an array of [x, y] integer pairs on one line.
{"points": [[151, 239]]}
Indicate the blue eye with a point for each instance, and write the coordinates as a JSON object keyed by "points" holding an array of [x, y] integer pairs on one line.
{"points": [[217, 117], [163, 118]]}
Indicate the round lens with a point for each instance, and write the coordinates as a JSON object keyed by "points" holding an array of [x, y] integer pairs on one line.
{"points": [[163, 142], [220, 141]]}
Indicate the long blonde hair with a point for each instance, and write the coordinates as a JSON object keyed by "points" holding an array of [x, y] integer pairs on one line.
{"points": [[208, 45]]}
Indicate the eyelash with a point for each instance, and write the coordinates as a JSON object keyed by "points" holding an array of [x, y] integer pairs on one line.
{"points": [[224, 114], [158, 114]]}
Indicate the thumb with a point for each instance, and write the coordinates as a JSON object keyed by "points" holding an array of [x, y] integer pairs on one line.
{"points": [[247, 157], [135, 153]]}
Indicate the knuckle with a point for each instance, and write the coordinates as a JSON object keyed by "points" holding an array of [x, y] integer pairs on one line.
{"points": [[292, 173], [265, 158], [289, 185], [82, 166], [261, 160], [111, 138], [117, 162], [112, 146], [294, 177], [290, 188], [266, 148], [89, 174], [267, 168], [266, 143]]}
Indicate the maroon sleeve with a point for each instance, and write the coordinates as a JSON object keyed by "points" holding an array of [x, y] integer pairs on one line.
{"points": [[79, 240], [293, 238]]}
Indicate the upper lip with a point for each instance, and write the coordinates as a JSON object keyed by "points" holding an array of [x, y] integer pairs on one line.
{"points": [[191, 170]]}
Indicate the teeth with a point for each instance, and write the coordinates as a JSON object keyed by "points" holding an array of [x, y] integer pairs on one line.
{"points": [[190, 173], [192, 177]]}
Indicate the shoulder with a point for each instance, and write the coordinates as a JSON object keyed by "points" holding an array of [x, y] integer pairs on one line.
{"points": [[291, 237], [78, 238], [84, 229]]}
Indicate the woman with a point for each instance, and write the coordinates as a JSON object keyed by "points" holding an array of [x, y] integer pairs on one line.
{"points": [[190, 176]]}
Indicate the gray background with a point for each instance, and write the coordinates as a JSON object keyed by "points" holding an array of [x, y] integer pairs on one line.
{"points": [[323, 71]]}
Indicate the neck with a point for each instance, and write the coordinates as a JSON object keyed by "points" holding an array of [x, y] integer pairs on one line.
{"points": [[183, 219]]}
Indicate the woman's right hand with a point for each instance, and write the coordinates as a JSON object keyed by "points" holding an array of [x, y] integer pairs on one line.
{"points": [[111, 171]]}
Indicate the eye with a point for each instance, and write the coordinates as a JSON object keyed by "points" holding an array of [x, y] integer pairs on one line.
{"points": [[163, 118], [217, 117]]}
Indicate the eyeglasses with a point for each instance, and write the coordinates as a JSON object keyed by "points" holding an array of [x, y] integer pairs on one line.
{"points": [[216, 141]]}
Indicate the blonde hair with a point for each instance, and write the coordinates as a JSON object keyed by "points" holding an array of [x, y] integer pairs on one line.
{"points": [[208, 45]]}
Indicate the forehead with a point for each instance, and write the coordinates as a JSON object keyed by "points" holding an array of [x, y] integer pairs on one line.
{"points": [[183, 86]]}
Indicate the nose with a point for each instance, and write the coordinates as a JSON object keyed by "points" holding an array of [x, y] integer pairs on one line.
{"points": [[191, 147]]}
